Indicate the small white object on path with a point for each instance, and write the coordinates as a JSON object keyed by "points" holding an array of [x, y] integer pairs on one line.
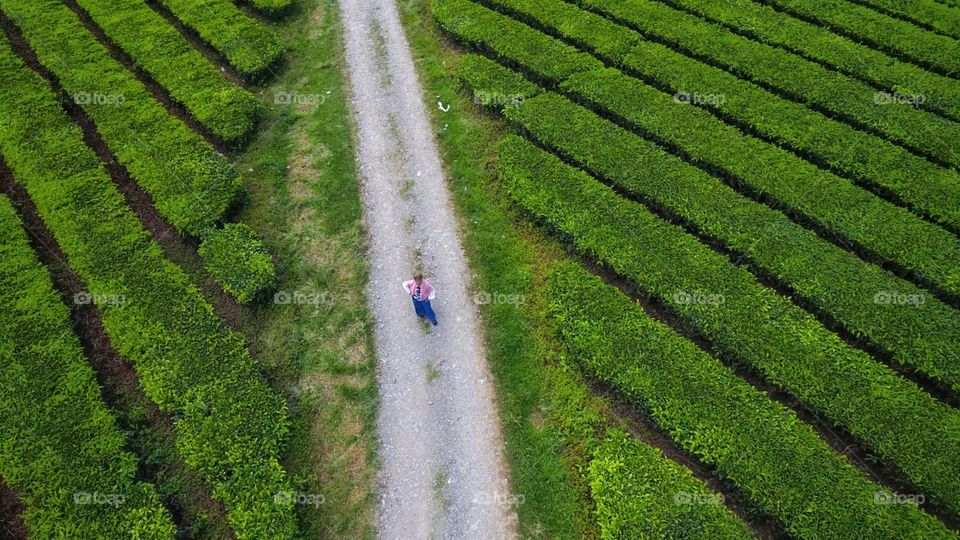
{"points": [[443, 473]]}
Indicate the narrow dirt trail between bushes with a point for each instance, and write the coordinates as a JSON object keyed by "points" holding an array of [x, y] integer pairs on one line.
{"points": [[443, 473]]}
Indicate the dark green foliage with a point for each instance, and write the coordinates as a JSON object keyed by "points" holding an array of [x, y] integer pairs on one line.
{"points": [[249, 46], [191, 185], [227, 110], [776, 460], [765, 24], [803, 80], [938, 16], [230, 426], [853, 214], [545, 57], [641, 494], [904, 425], [271, 7], [60, 446], [919, 330], [899, 37], [930, 189], [236, 258]]}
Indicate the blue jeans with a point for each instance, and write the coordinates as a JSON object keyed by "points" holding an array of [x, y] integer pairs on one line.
{"points": [[423, 309]]}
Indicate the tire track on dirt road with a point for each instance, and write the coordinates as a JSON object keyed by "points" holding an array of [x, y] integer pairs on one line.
{"points": [[443, 473]]}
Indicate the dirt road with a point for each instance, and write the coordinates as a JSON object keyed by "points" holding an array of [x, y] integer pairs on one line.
{"points": [[443, 472]]}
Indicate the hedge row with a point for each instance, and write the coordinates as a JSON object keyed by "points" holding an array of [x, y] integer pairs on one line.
{"points": [[191, 185], [879, 31], [920, 331], [641, 494], [237, 259], [61, 448], [773, 458], [271, 7], [922, 12], [905, 426], [851, 213], [249, 46], [801, 79], [492, 84], [227, 110], [862, 297], [765, 24], [933, 190], [229, 425], [546, 58]]}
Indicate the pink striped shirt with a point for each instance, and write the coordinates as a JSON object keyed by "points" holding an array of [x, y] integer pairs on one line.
{"points": [[427, 292]]}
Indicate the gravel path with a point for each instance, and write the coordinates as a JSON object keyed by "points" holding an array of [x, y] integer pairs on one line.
{"points": [[443, 472]]}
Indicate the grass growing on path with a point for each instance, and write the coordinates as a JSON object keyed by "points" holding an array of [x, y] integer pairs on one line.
{"points": [[316, 347], [549, 418]]}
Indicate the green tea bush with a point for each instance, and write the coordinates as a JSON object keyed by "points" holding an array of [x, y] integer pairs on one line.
{"points": [[229, 425], [804, 81], [817, 43], [493, 85], [774, 459], [897, 37], [905, 426], [236, 258], [931, 190], [227, 110], [249, 46], [641, 494], [190, 183], [61, 448], [893, 314]]}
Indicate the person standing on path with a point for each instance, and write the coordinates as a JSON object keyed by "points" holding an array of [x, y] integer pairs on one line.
{"points": [[422, 293]]}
